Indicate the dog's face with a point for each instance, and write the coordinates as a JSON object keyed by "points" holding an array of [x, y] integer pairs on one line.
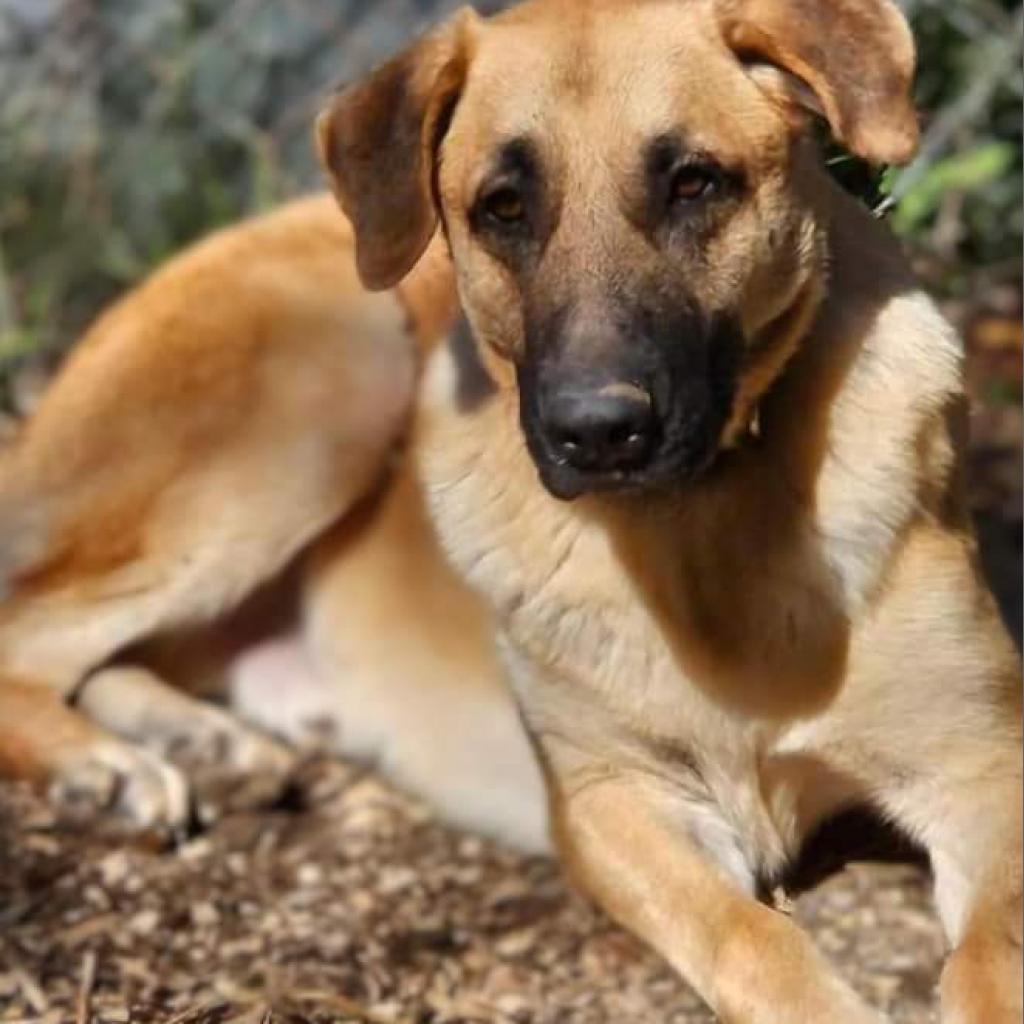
{"points": [[629, 201]]}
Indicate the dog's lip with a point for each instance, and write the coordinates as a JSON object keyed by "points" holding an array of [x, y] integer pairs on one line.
{"points": [[564, 482], [561, 481], [567, 484]]}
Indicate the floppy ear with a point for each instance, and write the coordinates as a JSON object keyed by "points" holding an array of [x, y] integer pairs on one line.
{"points": [[378, 140], [853, 61]]}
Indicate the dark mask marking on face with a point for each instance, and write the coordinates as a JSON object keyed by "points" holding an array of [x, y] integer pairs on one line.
{"points": [[473, 384], [685, 362], [513, 213]]}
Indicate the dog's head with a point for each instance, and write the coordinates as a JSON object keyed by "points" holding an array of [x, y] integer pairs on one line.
{"points": [[632, 209]]}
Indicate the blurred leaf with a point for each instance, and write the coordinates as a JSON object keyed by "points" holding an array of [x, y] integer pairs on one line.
{"points": [[15, 343], [961, 172]]}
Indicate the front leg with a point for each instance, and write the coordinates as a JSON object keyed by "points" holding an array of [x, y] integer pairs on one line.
{"points": [[974, 839], [981, 982], [630, 840], [938, 740]]}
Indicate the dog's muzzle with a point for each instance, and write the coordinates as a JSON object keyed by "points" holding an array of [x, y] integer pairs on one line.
{"points": [[645, 410], [620, 435]]}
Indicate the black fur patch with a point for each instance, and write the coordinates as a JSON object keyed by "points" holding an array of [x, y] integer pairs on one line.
{"points": [[473, 384], [686, 361]]}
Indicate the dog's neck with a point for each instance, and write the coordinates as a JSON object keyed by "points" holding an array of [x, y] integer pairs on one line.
{"points": [[429, 298], [770, 350]]}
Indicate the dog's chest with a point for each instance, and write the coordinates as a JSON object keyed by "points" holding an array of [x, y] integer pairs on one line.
{"points": [[593, 661], [583, 651], [562, 597]]}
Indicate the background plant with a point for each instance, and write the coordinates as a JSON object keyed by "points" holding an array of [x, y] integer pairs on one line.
{"points": [[129, 127]]}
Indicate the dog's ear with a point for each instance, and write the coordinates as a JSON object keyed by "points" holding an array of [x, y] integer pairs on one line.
{"points": [[849, 60], [378, 140]]}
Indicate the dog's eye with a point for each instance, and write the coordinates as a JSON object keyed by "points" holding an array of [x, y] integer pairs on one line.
{"points": [[504, 205], [692, 182]]}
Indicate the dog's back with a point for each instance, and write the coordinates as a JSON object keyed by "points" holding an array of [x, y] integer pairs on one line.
{"points": [[205, 430]]}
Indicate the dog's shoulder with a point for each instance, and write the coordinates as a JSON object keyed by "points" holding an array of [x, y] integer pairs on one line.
{"points": [[880, 313], [869, 418]]}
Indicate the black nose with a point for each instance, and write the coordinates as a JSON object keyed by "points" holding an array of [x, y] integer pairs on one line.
{"points": [[601, 429]]}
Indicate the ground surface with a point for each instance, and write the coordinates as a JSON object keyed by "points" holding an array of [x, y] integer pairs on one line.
{"points": [[359, 908]]}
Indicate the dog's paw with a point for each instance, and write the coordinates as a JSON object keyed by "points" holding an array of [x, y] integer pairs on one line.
{"points": [[110, 777], [230, 765]]}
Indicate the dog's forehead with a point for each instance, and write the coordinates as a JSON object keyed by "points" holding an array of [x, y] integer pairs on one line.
{"points": [[613, 73]]}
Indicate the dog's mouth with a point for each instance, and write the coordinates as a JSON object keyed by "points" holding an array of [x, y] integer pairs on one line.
{"points": [[566, 484], [683, 448]]}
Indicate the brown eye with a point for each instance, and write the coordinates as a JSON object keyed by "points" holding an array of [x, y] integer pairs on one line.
{"points": [[690, 183], [504, 205]]}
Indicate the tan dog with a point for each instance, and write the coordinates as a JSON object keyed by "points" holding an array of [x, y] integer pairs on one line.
{"points": [[218, 419], [762, 606]]}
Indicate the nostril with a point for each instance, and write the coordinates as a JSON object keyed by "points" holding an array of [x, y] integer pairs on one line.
{"points": [[625, 435], [570, 442]]}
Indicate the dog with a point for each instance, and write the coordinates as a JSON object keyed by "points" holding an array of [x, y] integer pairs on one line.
{"points": [[616, 401]]}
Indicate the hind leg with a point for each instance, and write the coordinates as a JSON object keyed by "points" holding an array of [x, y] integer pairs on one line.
{"points": [[207, 429], [86, 770], [202, 554]]}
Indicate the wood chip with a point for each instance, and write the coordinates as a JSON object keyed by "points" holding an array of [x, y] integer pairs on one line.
{"points": [[84, 1001], [361, 910]]}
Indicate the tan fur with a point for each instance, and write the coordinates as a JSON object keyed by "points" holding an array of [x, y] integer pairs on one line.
{"points": [[174, 464], [706, 672], [28, 713]]}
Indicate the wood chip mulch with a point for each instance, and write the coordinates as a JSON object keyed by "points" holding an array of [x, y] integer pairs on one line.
{"points": [[358, 907]]}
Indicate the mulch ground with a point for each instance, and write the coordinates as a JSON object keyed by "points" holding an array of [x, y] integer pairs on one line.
{"points": [[358, 907]]}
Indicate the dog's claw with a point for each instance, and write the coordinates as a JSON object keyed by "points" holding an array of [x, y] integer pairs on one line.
{"points": [[112, 777]]}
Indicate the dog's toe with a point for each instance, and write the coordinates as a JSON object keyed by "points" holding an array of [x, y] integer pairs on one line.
{"points": [[112, 777], [215, 739], [232, 766]]}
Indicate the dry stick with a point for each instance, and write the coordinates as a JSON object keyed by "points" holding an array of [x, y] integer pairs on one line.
{"points": [[209, 1007], [33, 994], [82, 1003], [31, 990]]}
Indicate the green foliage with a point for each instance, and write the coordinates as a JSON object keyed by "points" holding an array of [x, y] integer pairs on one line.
{"points": [[129, 127], [966, 173], [960, 200]]}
